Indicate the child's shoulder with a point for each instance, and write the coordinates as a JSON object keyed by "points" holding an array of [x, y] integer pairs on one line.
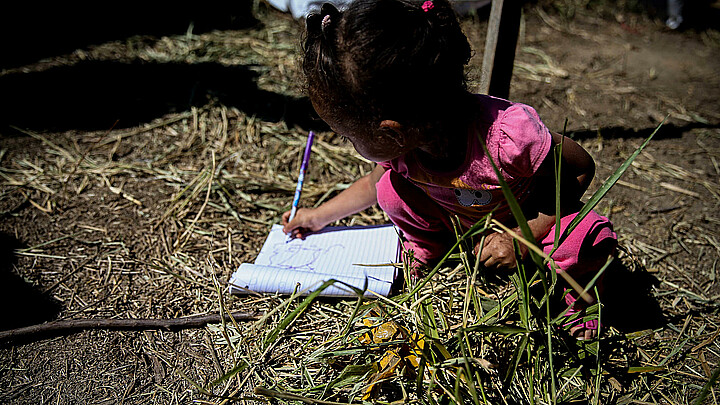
{"points": [[513, 132], [499, 114], [494, 109]]}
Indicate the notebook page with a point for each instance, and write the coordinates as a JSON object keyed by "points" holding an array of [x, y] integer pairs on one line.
{"points": [[259, 278], [334, 250], [349, 254]]}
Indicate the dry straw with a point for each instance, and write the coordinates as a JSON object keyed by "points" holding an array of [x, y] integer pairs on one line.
{"points": [[149, 222]]}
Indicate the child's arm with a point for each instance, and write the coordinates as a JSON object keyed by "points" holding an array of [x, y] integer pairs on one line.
{"points": [[357, 197], [578, 170]]}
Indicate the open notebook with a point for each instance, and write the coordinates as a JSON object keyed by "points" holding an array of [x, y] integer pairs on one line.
{"points": [[348, 254]]}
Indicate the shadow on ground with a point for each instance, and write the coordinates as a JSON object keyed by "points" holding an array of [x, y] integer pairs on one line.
{"points": [[628, 303], [30, 31], [665, 132], [99, 95], [22, 303]]}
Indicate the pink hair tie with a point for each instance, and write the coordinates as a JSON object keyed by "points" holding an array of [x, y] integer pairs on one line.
{"points": [[427, 6], [325, 22]]}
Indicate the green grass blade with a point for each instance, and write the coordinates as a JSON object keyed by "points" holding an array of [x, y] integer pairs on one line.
{"points": [[477, 228], [272, 336], [349, 324], [515, 208], [517, 355], [706, 388], [503, 330], [238, 368], [609, 183], [468, 371], [558, 175], [428, 317], [351, 374], [519, 278], [509, 197], [496, 309], [590, 285]]}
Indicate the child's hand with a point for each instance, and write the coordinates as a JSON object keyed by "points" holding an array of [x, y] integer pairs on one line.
{"points": [[498, 251], [305, 221], [357, 197]]}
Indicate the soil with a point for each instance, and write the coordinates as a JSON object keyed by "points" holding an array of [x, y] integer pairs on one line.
{"points": [[106, 211]]}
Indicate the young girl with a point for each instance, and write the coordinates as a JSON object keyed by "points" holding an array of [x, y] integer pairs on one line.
{"points": [[388, 75]]}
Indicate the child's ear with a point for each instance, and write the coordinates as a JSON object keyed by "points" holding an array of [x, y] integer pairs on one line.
{"points": [[398, 131]]}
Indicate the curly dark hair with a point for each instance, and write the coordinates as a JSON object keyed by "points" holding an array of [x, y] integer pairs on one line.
{"points": [[387, 59]]}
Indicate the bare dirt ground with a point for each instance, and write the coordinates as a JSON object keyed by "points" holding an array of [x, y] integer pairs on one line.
{"points": [[137, 174]]}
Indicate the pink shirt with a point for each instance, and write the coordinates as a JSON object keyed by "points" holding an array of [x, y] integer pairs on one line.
{"points": [[518, 143]]}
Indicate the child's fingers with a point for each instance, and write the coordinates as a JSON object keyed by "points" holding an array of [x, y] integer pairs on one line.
{"points": [[298, 232], [497, 252], [285, 217], [292, 225], [477, 251], [304, 222], [301, 221], [487, 258], [292, 228], [491, 257], [484, 255]]}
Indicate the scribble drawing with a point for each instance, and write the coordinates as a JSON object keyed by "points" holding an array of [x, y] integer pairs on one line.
{"points": [[299, 256]]}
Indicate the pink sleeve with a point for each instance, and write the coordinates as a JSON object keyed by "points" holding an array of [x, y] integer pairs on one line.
{"points": [[523, 141]]}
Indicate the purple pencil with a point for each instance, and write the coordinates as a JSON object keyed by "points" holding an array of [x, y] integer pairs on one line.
{"points": [[301, 179]]}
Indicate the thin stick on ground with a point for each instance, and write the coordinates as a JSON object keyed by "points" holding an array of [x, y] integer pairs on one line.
{"points": [[76, 325]]}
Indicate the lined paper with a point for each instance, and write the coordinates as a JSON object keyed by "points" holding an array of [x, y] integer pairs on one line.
{"points": [[353, 255]]}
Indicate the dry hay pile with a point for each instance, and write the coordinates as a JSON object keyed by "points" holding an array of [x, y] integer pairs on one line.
{"points": [[149, 221]]}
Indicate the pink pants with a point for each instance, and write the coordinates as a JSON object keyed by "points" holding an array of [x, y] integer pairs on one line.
{"points": [[430, 234]]}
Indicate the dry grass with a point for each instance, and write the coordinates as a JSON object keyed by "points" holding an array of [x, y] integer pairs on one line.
{"points": [[150, 221]]}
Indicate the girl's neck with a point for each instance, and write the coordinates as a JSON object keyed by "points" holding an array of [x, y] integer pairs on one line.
{"points": [[446, 149], [447, 158]]}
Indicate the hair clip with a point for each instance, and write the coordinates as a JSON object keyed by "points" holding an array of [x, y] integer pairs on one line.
{"points": [[427, 6], [325, 22]]}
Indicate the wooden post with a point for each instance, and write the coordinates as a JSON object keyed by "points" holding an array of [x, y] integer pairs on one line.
{"points": [[500, 46]]}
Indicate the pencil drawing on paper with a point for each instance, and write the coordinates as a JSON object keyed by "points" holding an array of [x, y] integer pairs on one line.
{"points": [[300, 256], [332, 253]]}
